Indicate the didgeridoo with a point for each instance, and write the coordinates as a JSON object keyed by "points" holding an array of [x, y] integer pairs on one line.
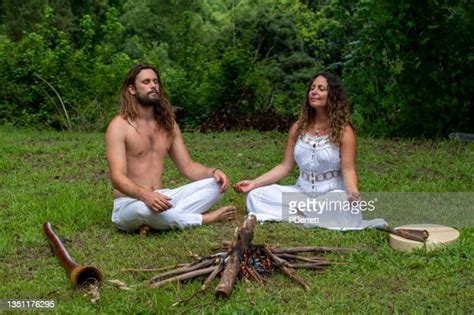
{"points": [[80, 276]]}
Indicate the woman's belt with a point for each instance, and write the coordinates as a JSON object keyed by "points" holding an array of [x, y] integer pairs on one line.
{"points": [[319, 177]]}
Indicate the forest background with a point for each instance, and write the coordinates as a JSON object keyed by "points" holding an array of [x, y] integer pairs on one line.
{"points": [[240, 64]]}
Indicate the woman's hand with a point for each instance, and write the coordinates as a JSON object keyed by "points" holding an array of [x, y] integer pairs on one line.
{"points": [[354, 196], [244, 186]]}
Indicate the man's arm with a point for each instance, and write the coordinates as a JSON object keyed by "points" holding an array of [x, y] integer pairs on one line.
{"points": [[190, 169], [117, 159]]}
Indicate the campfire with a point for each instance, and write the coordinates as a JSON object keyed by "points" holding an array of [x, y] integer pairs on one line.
{"points": [[240, 259]]}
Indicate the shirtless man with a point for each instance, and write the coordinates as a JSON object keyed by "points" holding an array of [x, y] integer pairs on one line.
{"points": [[137, 142]]}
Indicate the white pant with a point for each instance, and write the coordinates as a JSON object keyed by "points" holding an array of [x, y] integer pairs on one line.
{"points": [[189, 202], [279, 203]]}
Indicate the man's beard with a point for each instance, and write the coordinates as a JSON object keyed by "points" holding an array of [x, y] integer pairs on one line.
{"points": [[146, 101]]}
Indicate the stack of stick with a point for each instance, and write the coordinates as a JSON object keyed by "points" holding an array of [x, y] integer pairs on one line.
{"points": [[241, 259]]}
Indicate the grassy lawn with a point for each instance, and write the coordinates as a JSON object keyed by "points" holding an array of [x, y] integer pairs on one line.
{"points": [[63, 178]]}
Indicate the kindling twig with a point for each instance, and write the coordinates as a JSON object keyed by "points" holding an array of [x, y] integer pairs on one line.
{"points": [[183, 270], [311, 266], [311, 249], [254, 274], [211, 277], [184, 276], [282, 264], [301, 258], [136, 270]]}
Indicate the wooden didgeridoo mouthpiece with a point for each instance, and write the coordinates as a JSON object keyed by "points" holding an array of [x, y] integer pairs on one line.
{"points": [[80, 276]]}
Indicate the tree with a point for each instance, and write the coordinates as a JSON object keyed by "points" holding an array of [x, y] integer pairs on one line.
{"points": [[20, 17], [410, 70]]}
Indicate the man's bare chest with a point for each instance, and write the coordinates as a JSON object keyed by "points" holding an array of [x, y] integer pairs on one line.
{"points": [[147, 144]]}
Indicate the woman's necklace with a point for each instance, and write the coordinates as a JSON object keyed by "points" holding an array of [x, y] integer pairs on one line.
{"points": [[319, 129]]}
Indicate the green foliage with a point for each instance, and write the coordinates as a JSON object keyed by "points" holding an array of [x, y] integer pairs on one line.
{"points": [[400, 61], [409, 71], [20, 17], [86, 77], [261, 64]]}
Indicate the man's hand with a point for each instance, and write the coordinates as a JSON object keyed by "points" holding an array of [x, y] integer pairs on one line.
{"points": [[222, 179], [244, 186], [156, 201]]}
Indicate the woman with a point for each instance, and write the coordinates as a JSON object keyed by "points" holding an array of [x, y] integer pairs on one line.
{"points": [[323, 144]]}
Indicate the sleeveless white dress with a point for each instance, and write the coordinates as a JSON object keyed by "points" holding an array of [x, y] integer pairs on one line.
{"points": [[318, 199]]}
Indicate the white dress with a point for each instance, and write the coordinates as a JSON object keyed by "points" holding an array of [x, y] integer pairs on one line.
{"points": [[318, 198]]}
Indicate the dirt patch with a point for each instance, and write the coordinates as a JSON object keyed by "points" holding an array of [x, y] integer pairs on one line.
{"points": [[381, 167], [101, 175], [38, 160], [429, 173], [39, 251], [94, 176]]}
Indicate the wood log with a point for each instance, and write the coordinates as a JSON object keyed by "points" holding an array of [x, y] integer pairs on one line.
{"points": [[232, 268]]}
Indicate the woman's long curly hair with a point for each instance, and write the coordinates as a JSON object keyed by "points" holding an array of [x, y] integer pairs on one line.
{"points": [[163, 113], [338, 112]]}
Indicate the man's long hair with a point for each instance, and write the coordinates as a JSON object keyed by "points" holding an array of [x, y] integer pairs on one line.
{"points": [[338, 112], [163, 113]]}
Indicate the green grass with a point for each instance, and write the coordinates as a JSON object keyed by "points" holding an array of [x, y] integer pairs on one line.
{"points": [[63, 178]]}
